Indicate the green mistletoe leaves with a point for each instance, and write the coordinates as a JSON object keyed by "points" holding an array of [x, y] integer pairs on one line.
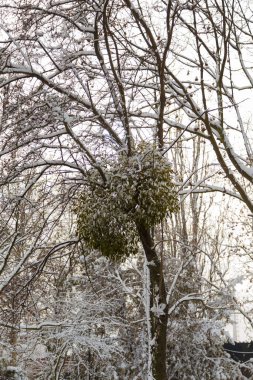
{"points": [[138, 190]]}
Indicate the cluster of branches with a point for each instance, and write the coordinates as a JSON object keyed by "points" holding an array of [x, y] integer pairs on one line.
{"points": [[83, 84]]}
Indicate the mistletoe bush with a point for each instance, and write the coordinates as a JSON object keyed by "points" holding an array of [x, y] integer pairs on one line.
{"points": [[137, 190]]}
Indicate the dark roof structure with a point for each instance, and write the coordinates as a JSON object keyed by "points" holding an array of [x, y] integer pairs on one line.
{"points": [[240, 351]]}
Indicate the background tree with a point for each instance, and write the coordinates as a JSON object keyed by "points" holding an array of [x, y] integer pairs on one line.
{"points": [[83, 84]]}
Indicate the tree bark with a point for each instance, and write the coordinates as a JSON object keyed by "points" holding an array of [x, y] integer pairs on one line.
{"points": [[158, 305]]}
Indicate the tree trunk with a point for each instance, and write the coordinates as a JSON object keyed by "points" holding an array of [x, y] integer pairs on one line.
{"points": [[158, 305]]}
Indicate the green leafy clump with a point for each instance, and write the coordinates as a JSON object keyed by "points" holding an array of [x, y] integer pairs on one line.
{"points": [[105, 227], [145, 188], [138, 189]]}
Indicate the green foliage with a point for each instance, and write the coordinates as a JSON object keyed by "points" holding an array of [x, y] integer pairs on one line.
{"points": [[105, 227], [138, 189]]}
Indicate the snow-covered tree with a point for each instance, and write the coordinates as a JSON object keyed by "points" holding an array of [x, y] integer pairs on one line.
{"points": [[84, 85]]}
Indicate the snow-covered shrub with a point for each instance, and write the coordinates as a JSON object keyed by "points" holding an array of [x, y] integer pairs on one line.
{"points": [[195, 351], [135, 190]]}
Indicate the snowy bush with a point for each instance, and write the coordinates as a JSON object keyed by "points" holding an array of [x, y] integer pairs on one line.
{"points": [[195, 351]]}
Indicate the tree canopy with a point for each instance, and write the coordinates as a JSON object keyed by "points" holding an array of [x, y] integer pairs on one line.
{"points": [[125, 186]]}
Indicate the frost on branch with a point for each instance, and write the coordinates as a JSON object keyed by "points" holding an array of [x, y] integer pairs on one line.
{"points": [[137, 190]]}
